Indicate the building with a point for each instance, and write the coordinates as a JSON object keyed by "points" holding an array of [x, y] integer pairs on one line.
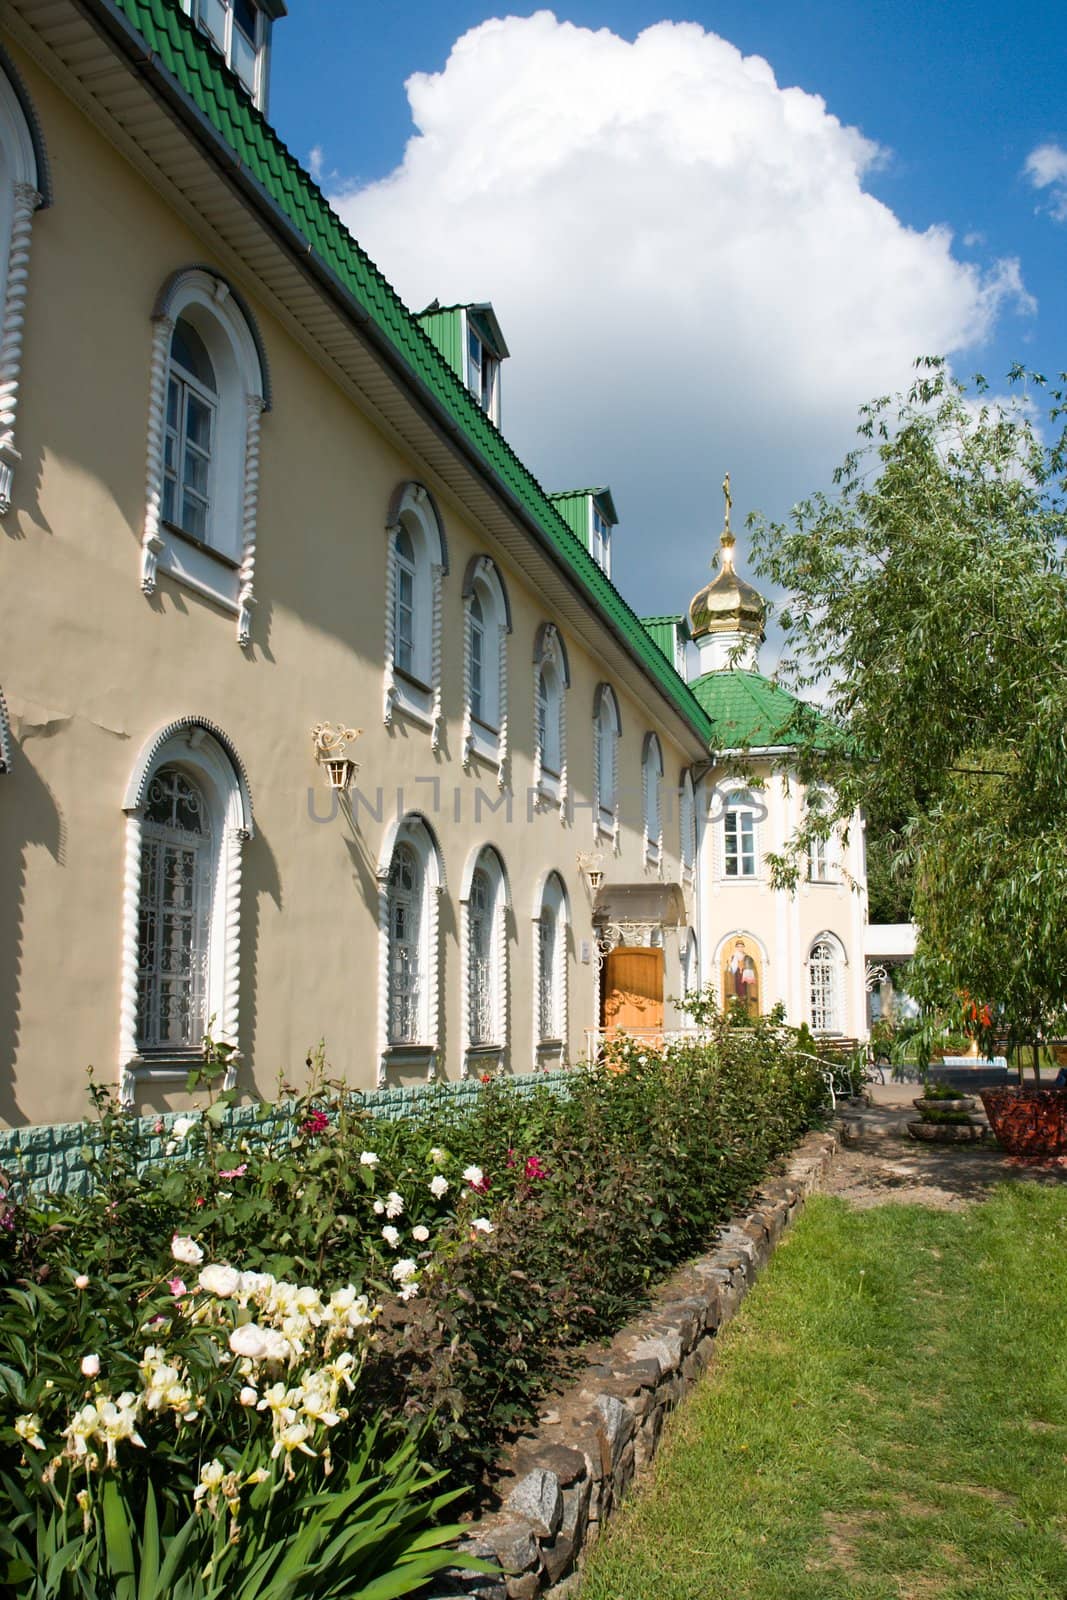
{"points": [[260, 520]]}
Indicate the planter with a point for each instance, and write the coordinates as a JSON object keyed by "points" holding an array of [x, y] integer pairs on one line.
{"points": [[947, 1132], [1028, 1121], [964, 1102]]}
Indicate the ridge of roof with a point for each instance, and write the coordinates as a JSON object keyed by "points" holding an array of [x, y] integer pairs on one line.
{"points": [[212, 89]]}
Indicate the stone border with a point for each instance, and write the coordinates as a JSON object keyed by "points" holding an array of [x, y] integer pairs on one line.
{"points": [[560, 1484]]}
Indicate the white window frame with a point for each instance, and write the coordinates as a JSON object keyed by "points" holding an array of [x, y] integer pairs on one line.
{"points": [[823, 856], [652, 800], [481, 1054], [486, 736], [739, 805], [221, 566], [825, 967], [198, 747], [551, 679], [607, 731], [599, 538], [222, 38], [415, 693], [481, 371], [24, 185], [414, 832], [550, 987]]}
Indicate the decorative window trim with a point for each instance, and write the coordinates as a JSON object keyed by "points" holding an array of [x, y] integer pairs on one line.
{"points": [[606, 818], [31, 190], [552, 891], [5, 736], [652, 800], [208, 570], [488, 859], [413, 506], [482, 577], [738, 787], [203, 747], [838, 962], [550, 657], [414, 830], [687, 826]]}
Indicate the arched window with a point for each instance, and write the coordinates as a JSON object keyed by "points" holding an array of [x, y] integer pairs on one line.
{"points": [[410, 878], [487, 625], [551, 680], [687, 826], [209, 387], [485, 904], [24, 186], [189, 814], [607, 729], [550, 971], [740, 854], [651, 778], [826, 985], [417, 559], [822, 847]]}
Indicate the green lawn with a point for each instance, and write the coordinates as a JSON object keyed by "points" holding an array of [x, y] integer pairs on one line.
{"points": [[886, 1420]]}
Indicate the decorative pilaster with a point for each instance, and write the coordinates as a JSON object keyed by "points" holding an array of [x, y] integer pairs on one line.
{"points": [[501, 999], [597, 789], [26, 200], [236, 840], [468, 721], [502, 748], [389, 694], [383, 977], [616, 831], [249, 500], [538, 753], [433, 998], [151, 539], [131, 900], [465, 986], [437, 574]]}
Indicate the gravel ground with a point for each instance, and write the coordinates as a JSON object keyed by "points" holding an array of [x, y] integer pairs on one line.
{"points": [[881, 1167]]}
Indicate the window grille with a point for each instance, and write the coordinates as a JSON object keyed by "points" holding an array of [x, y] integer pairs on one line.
{"points": [[477, 661], [546, 976], [480, 957], [404, 615], [405, 908], [824, 989], [174, 915]]}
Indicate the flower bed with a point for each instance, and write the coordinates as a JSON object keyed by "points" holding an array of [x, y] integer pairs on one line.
{"points": [[224, 1336]]}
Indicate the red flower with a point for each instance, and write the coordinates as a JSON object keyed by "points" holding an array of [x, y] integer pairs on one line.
{"points": [[318, 1122], [534, 1169]]}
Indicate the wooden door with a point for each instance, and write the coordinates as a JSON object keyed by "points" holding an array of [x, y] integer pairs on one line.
{"points": [[632, 989]]}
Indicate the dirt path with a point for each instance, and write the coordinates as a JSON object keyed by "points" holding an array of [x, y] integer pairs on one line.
{"points": [[882, 1166]]}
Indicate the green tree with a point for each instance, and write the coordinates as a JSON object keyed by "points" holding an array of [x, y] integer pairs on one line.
{"points": [[927, 606]]}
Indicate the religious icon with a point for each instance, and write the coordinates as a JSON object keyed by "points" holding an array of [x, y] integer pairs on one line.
{"points": [[741, 976]]}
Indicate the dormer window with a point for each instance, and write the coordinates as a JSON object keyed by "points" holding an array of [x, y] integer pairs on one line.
{"points": [[591, 516], [240, 31], [470, 340], [483, 374], [600, 542]]}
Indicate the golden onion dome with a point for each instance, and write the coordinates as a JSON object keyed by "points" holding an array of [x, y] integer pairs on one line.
{"points": [[727, 604]]}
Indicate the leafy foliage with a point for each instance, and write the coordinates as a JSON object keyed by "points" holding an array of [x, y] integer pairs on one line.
{"points": [[927, 601]]}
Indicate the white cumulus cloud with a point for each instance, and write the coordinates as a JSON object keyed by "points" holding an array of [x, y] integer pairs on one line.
{"points": [[1046, 168], [685, 263]]}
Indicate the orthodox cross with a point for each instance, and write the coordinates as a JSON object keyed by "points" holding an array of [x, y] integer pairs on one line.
{"points": [[728, 498]]}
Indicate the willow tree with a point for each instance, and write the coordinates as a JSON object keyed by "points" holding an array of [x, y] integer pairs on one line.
{"points": [[926, 606]]}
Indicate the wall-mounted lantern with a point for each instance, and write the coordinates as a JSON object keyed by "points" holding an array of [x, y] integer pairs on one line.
{"points": [[592, 868], [330, 745]]}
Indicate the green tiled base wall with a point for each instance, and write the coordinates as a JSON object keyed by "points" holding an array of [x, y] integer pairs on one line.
{"points": [[51, 1157]]}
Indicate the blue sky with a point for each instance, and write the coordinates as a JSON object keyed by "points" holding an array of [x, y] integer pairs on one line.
{"points": [[956, 98]]}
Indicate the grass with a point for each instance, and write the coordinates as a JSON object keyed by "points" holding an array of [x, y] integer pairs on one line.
{"points": [[886, 1420]]}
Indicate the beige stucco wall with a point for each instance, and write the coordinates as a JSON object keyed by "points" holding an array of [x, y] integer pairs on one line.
{"points": [[785, 925], [91, 669]]}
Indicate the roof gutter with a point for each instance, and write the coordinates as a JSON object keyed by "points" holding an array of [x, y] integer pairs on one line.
{"points": [[131, 44]]}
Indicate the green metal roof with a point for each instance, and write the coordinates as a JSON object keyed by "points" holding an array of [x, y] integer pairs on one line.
{"points": [[665, 632], [748, 711], [215, 93]]}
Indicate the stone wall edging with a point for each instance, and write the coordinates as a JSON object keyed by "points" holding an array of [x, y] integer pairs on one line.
{"points": [[560, 1485]]}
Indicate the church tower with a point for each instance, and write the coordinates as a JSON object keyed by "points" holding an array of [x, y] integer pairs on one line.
{"points": [[726, 617]]}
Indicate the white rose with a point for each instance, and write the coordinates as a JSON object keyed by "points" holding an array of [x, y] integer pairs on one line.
{"points": [[368, 1159], [379, 1208], [90, 1366], [394, 1205], [438, 1187], [420, 1233], [391, 1237], [81, 1281], [404, 1271], [438, 1156], [473, 1175], [249, 1340], [248, 1396], [181, 1126], [182, 1248], [223, 1281], [483, 1225]]}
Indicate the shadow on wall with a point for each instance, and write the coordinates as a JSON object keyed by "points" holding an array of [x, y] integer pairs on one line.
{"points": [[29, 816], [260, 878]]}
